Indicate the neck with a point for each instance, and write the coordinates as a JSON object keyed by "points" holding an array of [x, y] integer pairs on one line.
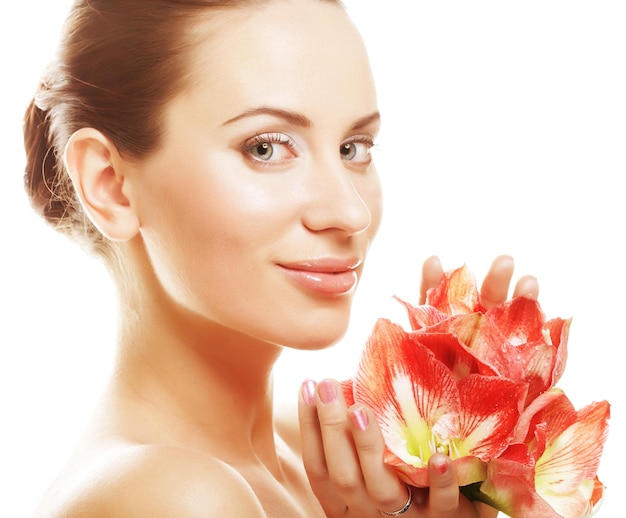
{"points": [[199, 383]]}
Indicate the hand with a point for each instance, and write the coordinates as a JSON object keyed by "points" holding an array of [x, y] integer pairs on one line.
{"points": [[343, 457], [495, 287]]}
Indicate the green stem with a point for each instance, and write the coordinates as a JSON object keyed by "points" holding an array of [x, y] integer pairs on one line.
{"points": [[473, 493]]}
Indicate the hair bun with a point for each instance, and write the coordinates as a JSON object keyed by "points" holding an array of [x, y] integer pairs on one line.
{"points": [[41, 164]]}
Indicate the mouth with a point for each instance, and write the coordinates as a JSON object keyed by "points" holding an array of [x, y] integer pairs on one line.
{"points": [[328, 276]]}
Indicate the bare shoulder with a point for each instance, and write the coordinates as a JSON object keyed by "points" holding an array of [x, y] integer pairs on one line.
{"points": [[155, 481]]}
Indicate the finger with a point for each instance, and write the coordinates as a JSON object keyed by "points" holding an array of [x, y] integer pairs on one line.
{"points": [[342, 460], [495, 287], [313, 455], [527, 286], [385, 490], [432, 272], [444, 496], [485, 511]]}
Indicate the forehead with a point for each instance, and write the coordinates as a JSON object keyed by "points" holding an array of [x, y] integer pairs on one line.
{"points": [[295, 54]]}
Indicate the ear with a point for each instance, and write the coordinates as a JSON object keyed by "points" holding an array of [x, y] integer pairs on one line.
{"points": [[94, 164]]}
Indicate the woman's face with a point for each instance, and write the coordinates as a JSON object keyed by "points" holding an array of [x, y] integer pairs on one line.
{"points": [[258, 210]]}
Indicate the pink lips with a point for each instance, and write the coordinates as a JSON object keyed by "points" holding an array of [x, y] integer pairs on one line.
{"points": [[325, 276]]}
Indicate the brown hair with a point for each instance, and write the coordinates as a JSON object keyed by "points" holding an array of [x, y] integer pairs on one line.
{"points": [[118, 64]]}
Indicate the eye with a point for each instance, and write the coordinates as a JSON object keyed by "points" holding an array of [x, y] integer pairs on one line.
{"points": [[269, 148], [357, 150]]}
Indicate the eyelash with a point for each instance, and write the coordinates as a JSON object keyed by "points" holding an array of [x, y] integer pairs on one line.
{"points": [[364, 139], [273, 138], [361, 139]]}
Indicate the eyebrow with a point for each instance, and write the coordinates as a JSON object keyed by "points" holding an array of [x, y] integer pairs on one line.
{"points": [[291, 117], [297, 119], [366, 121]]}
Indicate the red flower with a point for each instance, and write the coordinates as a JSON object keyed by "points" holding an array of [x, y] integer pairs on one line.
{"points": [[422, 409], [514, 338], [477, 385]]}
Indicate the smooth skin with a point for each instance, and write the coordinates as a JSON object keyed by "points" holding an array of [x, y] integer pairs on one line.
{"points": [[255, 180]]}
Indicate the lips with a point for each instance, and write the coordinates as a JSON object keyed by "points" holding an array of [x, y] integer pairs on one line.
{"points": [[329, 276]]}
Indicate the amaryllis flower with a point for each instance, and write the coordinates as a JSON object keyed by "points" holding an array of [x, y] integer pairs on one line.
{"points": [[422, 409], [551, 469], [478, 385], [514, 338]]}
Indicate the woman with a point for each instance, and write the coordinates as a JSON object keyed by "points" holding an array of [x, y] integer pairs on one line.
{"points": [[217, 155]]}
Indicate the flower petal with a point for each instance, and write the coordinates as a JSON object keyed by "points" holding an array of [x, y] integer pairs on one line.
{"points": [[572, 457], [520, 345], [567, 445], [520, 320], [558, 329], [457, 293], [532, 417], [516, 497], [422, 316], [510, 487], [491, 407], [460, 359]]}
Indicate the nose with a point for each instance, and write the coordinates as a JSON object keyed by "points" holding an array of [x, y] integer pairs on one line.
{"points": [[338, 198]]}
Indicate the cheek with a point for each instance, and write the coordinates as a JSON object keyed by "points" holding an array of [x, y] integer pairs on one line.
{"points": [[218, 220], [212, 199]]}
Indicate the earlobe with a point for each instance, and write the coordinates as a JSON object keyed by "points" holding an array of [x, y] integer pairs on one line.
{"points": [[93, 163]]}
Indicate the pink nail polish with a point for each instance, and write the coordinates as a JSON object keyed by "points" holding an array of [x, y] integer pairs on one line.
{"points": [[441, 465], [326, 391], [308, 392], [359, 419]]}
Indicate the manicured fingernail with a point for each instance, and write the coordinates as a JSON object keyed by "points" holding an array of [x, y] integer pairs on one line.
{"points": [[359, 419], [326, 390], [308, 392], [441, 465]]}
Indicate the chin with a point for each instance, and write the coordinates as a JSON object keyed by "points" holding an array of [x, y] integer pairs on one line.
{"points": [[305, 329], [318, 338]]}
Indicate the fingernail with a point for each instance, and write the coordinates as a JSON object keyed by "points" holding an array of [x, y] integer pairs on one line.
{"points": [[326, 390], [441, 465], [308, 392], [359, 419]]}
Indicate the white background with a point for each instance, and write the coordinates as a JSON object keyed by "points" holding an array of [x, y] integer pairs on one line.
{"points": [[504, 132]]}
